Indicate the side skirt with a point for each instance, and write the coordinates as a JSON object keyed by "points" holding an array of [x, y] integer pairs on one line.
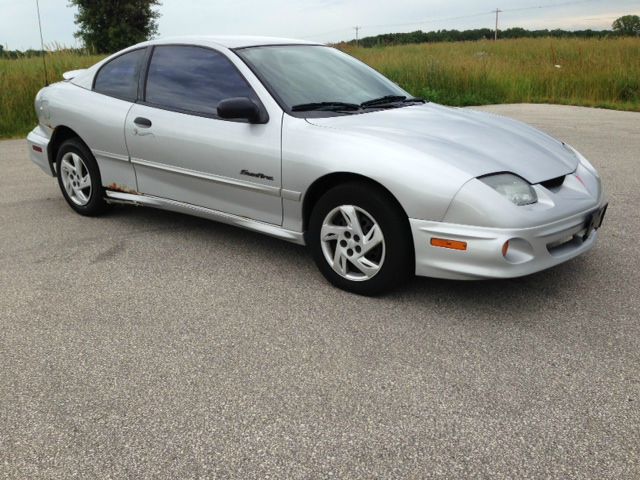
{"points": [[187, 208]]}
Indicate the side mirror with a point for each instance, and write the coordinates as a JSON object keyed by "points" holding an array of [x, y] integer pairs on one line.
{"points": [[241, 108]]}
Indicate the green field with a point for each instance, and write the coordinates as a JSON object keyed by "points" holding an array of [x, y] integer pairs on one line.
{"points": [[21, 79], [596, 73], [600, 73]]}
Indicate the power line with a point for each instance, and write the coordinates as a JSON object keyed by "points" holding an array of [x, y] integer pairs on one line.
{"points": [[433, 20], [315, 35], [447, 19], [549, 5]]}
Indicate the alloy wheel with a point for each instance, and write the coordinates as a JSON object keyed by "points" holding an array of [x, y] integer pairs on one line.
{"points": [[76, 178], [352, 243]]}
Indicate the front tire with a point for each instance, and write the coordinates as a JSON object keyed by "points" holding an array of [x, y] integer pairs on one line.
{"points": [[79, 178], [360, 239]]}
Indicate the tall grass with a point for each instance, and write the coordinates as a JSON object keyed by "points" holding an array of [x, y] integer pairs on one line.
{"points": [[21, 79], [601, 73], [588, 72]]}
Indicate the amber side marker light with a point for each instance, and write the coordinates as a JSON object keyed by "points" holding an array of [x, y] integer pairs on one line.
{"points": [[505, 248], [451, 244]]}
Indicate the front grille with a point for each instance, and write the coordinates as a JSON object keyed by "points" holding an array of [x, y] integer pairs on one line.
{"points": [[573, 240]]}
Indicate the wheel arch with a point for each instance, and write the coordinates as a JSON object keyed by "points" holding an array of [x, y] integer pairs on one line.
{"points": [[328, 181], [61, 134]]}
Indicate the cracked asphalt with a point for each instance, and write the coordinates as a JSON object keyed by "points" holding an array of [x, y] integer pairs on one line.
{"points": [[147, 344]]}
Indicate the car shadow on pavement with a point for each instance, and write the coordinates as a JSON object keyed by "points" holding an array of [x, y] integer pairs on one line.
{"points": [[504, 299], [498, 298], [164, 220]]}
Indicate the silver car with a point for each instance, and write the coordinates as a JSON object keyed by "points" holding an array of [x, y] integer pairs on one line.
{"points": [[303, 142]]}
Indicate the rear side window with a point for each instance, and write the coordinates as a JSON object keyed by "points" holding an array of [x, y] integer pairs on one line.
{"points": [[193, 80], [119, 77]]}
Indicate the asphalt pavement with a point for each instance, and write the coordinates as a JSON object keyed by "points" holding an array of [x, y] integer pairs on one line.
{"points": [[147, 344]]}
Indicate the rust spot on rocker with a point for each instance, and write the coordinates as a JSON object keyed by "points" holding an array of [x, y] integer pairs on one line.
{"points": [[121, 188]]}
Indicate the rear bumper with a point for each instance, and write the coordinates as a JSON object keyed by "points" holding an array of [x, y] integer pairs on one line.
{"points": [[38, 143], [530, 249]]}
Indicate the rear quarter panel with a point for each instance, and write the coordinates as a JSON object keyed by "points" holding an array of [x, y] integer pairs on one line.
{"points": [[99, 121]]}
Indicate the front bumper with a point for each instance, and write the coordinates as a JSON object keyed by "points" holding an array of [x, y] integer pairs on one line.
{"points": [[530, 249], [38, 143]]}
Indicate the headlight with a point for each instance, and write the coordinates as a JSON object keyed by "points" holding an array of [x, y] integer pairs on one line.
{"points": [[514, 188]]}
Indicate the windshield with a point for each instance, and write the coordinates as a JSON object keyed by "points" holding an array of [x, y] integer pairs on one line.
{"points": [[310, 77]]}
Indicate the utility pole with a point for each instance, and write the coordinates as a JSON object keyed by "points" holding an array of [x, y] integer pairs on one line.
{"points": [[357, 29], [498, 12]]}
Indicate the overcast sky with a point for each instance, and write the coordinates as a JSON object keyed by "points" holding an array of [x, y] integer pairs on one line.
{"points": [[320, 20]]}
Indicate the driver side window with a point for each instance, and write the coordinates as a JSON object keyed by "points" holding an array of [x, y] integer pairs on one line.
{"points": [[192, 79]]}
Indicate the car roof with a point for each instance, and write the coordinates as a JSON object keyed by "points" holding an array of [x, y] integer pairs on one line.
{"points": [[84, 78], [231, 41]]}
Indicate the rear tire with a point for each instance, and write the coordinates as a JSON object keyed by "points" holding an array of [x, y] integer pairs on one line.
{"points": [[79, 178], [360, 239]]}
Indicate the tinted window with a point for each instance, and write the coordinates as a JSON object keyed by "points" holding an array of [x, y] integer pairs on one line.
{"points": [[119, 77], [306, 73], [193, 79]]}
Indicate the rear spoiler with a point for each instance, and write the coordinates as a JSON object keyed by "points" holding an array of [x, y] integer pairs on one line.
{"points": [[72, 74]]}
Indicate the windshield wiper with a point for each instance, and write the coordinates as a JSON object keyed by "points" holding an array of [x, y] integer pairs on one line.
{"points": [[329, 106], [390, 100]]}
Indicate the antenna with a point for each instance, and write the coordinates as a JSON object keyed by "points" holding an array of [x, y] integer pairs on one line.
{"points": [[357, 29], [44, 61]]}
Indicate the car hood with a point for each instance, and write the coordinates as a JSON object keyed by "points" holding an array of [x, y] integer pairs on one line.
{"points": [[476, 142]]}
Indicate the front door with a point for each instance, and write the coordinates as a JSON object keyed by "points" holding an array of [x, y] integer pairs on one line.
{"points": [[182, 151]]}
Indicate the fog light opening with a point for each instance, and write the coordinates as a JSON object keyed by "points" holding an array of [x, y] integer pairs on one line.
{"points": [[517, 250]]}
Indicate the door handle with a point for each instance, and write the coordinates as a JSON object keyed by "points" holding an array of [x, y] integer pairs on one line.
{"points": [[142, 122]]}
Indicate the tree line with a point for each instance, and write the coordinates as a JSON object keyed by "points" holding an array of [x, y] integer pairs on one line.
{"points": [[628, 25], [471, 35], [13, 54]]}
